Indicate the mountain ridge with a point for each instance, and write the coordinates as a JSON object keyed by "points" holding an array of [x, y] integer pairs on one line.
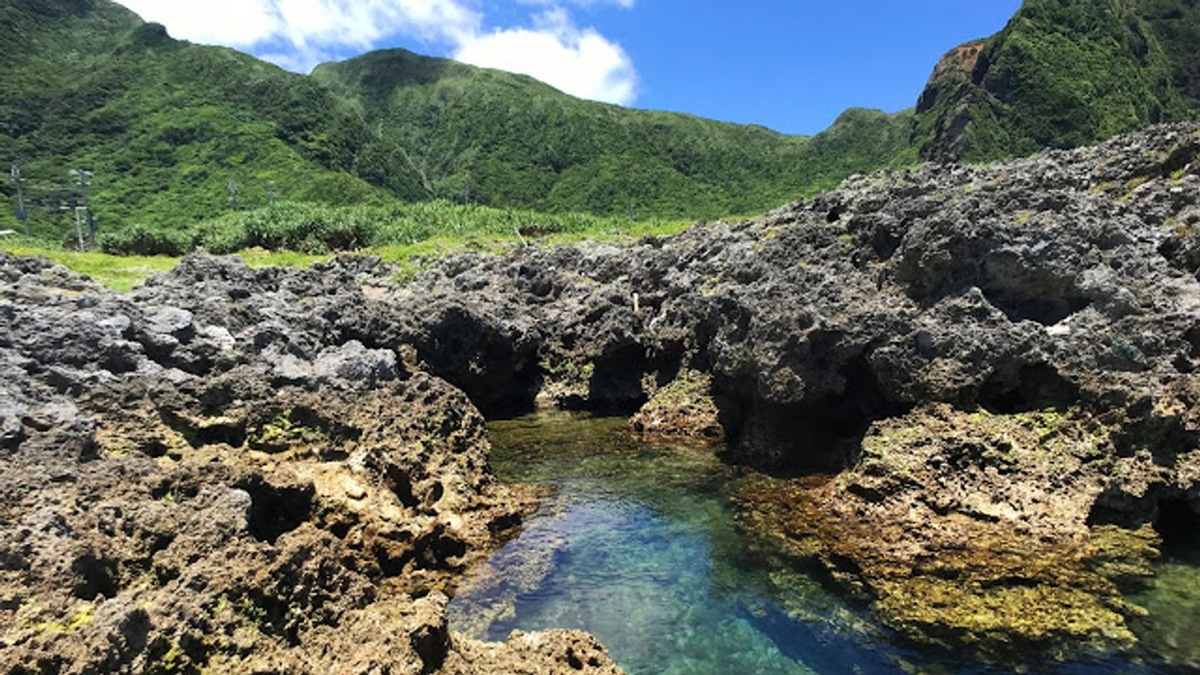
{"points": [[177, 132]]}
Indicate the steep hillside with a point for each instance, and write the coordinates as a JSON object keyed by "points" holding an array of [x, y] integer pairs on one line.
{"points": [[1063, 73], [163, 124], [166, 125], [454, 131]]}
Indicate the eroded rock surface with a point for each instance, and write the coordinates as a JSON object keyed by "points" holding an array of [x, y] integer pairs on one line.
{"points": [[1066, 282], [997, 363], [971, 529], [216, 473]]}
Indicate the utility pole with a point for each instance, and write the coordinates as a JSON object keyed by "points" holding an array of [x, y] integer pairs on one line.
{"points": [[233, 190], [79, 212], [271, 193], [83, 180], [22, 214]]}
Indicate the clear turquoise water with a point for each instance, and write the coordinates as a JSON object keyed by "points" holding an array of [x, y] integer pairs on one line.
{"points": [[636, 544]]}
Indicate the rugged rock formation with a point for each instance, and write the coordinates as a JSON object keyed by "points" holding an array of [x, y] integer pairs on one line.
{"points": [[972, 529], [213, 474], [1066, 282], [683, 409], [1065, 279], [1002, 361]]}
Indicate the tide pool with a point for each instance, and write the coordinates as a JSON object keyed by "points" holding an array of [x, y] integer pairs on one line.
{"points": [[636, 543]]}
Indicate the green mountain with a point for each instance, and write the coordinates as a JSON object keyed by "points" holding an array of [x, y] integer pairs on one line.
{"points": [[1063, 73], [444, 129], [164, 125], [167, 127]]}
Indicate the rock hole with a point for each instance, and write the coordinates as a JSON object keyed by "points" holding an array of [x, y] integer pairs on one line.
{"points": [[615, 387], [308, 418], [498, 371], [435, 493], [399, 482], [432, 645], [96, 576], [233, 435], [1035, 387], [811, 437], [1178, 523], [276, 510], [1046, 310], [155, 448], [390, 565]]}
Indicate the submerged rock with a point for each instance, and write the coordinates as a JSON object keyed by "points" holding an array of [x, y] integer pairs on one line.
{"points": [[971, 529]]}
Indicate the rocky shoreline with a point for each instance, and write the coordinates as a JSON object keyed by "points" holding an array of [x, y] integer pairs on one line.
{"points": [[992, 370], [219, 478]]}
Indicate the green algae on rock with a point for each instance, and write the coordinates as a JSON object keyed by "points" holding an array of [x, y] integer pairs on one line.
{"points": [[970, 529], [684, 408]]}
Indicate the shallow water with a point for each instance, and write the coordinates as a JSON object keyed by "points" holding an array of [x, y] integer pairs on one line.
{"points": [[636, 544]]}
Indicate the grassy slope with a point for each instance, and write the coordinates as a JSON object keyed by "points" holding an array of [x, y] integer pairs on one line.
{"points": [[1065, 73], [165, 125], [447, 130]]}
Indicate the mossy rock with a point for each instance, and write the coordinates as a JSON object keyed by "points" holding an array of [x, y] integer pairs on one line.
{"points": [[684, 409], [969, 530]]}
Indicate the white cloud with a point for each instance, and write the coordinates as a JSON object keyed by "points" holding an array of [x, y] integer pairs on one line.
{"points": [[310, 29], [580, 62], [228, 22], [624, 4], [298, 34]]}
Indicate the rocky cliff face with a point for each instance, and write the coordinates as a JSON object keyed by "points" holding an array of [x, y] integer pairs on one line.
{"points": [[212, 474], [1062, 74]]}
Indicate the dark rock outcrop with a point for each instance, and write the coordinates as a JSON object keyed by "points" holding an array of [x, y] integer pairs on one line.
{"points": [[213, 473], [961, 307], [1067, 282]]}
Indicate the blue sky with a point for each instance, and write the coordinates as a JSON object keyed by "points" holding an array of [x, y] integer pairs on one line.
{"points": [[788, 65]]}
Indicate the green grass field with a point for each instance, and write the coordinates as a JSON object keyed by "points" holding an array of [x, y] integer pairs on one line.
{"points": [[408, 242]]}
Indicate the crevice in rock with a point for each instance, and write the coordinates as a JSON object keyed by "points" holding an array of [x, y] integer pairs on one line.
{"points": [[1035, 387], [812, 437], [96, 576], [233, 435], [615, 387], [1046, 310], [432, 645], [1178, 523], [400, 483], [276, 510]]}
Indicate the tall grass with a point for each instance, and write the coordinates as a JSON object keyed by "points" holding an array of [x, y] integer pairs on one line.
{"points": [[318, 229]]}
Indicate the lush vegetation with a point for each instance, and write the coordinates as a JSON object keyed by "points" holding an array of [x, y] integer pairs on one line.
{"points": [[320, 228], [178, 134], [447, 130], [298, 234], [164, 125], [1065, 73], [167, 126]]}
